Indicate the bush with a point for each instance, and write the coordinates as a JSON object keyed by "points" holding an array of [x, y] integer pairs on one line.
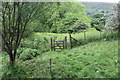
{"points": [[38, 42], [27, 53]]}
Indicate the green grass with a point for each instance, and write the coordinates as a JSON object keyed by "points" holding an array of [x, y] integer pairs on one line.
{"points": [[95, 57], [0, 66], [93, 60], [41, 41]]}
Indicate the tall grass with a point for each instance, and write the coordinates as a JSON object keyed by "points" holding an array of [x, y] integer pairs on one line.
{"points": [[68, 62], [93, 60], [91, 35], [1, 72], [40, 42]]}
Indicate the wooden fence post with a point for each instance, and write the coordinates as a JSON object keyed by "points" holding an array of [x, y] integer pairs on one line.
{"points": [[70, 40], [65, 42], [54, 45], [51, 68], [85, 36], [100, 34], [51, 46]]}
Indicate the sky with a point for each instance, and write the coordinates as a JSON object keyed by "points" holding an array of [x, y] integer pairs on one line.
{"points": [[110, 1]]}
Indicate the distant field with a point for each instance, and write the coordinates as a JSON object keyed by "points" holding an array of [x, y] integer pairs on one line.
{"points": [[97, 8], [92, 33]]}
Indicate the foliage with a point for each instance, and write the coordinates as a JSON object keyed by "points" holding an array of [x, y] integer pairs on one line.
{"points": [[16, 16], [1, 72], [113, 20], [17, 71], [91, 35], [60, 17], [79, 62], [27, 53], [87, 59], [84, 60], [40, 42], [75, 18], [98, 21], [93, 60]]}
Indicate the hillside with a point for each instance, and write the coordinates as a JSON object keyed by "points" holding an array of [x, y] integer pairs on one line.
{"points": [[94, 60], [97, 7], [95, 57]]}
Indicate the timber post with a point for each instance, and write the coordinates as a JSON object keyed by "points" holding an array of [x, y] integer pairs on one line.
{"points": [[51, 73], [65, 42], [85, 36], [100, 34], [54, 44], [51, 46], [70, 40]]}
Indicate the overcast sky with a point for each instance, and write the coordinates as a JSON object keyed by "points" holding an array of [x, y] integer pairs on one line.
{"points": [[111, 1]]}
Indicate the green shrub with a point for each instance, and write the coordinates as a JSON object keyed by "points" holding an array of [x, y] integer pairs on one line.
{"points": [[28, 53]]}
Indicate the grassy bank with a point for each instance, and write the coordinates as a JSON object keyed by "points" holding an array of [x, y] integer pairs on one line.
{"points": [[94, 56], [40, 42], [93, 60]]}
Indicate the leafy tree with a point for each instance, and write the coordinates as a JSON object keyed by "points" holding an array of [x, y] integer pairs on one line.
{"points": [[73, 15], [113, 20], [44, 22], [60, 17], [98, 21], [16, 16]]}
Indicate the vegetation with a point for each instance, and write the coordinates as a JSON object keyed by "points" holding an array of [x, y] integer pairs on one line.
{"points": [[28, 27], [40, 42], [15, 17], [98, 21], [1, 66], [113, 21], [93, 60], [61, 17]]}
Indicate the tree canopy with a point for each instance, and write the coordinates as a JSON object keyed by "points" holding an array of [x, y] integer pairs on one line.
{"points": [[19, 19], [62, 16], [15, 18], [113, 20]]}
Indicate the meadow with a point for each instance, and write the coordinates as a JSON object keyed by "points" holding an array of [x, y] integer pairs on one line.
{"points": [[95, 57]]}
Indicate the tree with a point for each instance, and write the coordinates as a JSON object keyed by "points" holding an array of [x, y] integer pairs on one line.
{"points": [[15, 18], [113, 20], [71, 16], [98, 21], [44, 22], [60, 17]]}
